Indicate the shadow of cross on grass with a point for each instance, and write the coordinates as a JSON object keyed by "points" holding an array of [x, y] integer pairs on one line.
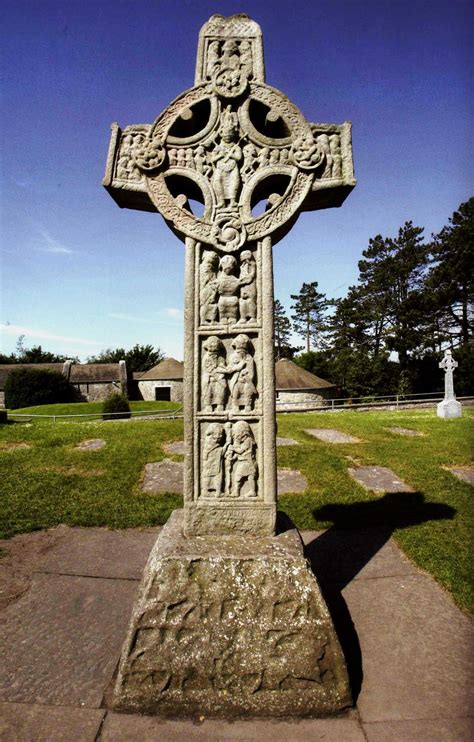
{"points": [[359, 531]]}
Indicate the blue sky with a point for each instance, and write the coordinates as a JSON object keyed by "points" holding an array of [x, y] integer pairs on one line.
{"points": [[78, 274]]}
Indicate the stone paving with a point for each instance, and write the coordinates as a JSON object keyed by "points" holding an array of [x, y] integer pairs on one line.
{"points": [[92, 444], [331, 435], [379, 479], [406, 644], [286, 442], [465, 474], [290, 480], [409, 432]]}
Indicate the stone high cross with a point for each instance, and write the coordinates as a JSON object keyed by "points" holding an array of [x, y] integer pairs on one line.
{"points": [[231, 143], [449, 407]]}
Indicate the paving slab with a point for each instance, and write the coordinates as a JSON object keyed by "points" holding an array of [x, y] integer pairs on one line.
{"points": [[91, 444], [426, 730], [286, 442], [331, 435], [409, 432], [464, 474], [416, 649], [163, 476], [99, 552], [290, 480], [136, 728], [379, 479], [340, 556], [20, 722], [176, 447], [61, 640]]}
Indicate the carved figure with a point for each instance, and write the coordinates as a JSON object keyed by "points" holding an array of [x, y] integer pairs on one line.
{"points": [[213, 55], [225, 157], [213, 461], [200, 161], [208, 287], [214, 384], [241, 455], [228, 287], [246, 56], [248, 291], [334, 146], [250, 160], [323, 143], [230, 57], [242, 366]]}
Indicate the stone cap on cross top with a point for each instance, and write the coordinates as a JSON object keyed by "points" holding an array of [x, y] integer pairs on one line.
{"points": [[230, 143]]}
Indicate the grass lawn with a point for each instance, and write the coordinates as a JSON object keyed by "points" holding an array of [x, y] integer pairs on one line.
{"points": [[89, 408], [49, 482]]}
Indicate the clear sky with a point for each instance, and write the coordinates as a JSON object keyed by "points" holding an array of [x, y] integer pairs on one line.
{"points": [[78, 274]]}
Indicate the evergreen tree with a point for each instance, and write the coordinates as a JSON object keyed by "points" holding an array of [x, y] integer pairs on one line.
{"points": [[283, 349], [309, 320], [450, 284], [138, 358]]}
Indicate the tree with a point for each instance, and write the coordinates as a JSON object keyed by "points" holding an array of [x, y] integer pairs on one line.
{"points": [[450, 284], [283, 348], [36, 354], [138, 358], [26, 387], [391, 278], [308, 319]]}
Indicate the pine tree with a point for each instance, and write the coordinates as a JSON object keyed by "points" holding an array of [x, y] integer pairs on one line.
{"points": [[283, 349], [309, 315]]}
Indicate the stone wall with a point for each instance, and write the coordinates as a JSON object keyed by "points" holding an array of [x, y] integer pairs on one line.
{"points": [[98, 392], [147, 389], [299, 400]]}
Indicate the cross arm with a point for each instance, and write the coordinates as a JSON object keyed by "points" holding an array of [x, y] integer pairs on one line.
{"points": [[123, 180]]}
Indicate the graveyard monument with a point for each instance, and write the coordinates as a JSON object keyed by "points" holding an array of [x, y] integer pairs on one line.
{"points": [[229, 619], [449, 407]]}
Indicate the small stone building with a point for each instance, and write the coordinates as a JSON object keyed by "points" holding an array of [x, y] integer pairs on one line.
{"points": [[298, 389], [94, 381], [163, 382]]}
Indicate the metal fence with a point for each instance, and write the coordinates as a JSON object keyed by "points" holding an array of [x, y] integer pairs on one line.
{"points": [[150, 414], [373, 401]]}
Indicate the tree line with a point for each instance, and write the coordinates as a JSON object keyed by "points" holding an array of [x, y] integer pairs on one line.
{"points": [[413, 299]]}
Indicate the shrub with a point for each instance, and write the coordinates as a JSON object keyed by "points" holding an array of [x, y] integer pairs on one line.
{"points": [[116, 403], [3, 417], [26, 387]]}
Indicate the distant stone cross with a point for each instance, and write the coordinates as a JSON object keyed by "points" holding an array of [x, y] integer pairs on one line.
{"points": [[242, 151], [448, 364]]}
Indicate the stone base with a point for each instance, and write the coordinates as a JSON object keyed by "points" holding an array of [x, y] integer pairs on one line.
{"points": [[229, 518], [449, 408], [230, 626]]}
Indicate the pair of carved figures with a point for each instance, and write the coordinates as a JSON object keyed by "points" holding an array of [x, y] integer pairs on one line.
{"points": [[224, 296], [229, 466], [235, 378]]}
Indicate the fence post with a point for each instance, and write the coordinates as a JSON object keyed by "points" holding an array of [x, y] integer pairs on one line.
{"points": [[332, 405], [397, 401]]}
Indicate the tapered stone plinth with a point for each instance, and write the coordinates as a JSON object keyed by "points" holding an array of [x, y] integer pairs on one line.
{"points": [[449, 408], [230, 626]]}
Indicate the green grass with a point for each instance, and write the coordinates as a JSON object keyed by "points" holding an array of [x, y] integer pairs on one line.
{"points": [[47, 484], [89, 408]]}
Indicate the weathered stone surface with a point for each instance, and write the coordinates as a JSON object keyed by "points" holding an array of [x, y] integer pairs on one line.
{"points": [[379, 479], [163, 476], [177, 447], [465, 474], [23, 723], [331, 435], [61, 640], [134, 728], [412, 667], [449, 408], [92, 444], [409, 432], [235, 141], [421, 730], [231, 625], [286, 441], [290, 480], [99, 552]]}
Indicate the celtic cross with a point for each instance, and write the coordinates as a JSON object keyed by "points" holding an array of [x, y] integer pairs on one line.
{"points": [[230, 164]]}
